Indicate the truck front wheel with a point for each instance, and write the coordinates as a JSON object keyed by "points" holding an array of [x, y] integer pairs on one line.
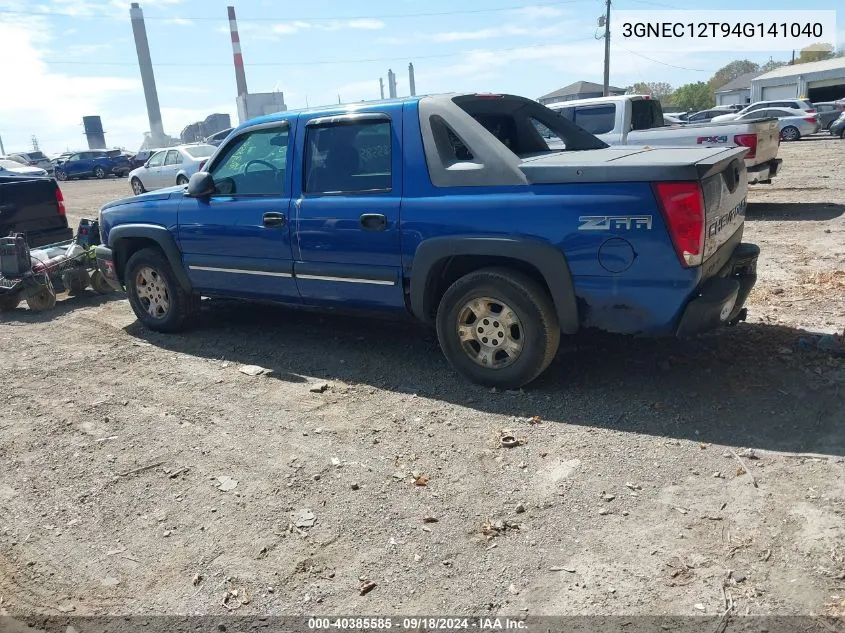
{"points": [[498, 327], [156, 296]]}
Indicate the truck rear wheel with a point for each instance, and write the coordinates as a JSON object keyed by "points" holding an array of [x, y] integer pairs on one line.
{"points": [[498, 327], [156, 296]]}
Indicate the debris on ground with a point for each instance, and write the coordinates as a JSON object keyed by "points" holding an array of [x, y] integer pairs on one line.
{"points": [[520, 508], [366, 587], [226, 483], [606, 496], [305, 518], [320, 387], [421, 480], [254, 370], [492, 529], [569, 570], [196, 580], [430, 519], [507, 439]]}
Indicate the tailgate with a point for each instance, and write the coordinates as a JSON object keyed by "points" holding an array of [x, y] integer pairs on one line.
{"points": [[725, 187], [29, 205], [768, 140]]}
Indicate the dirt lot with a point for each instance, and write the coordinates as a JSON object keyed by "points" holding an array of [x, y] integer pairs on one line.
{"points": [[625, 497]]}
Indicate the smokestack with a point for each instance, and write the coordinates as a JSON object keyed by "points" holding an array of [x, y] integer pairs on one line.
{"points": [[240, 75], [94, 132], [381, 87], [411, 82], [148, 80], [391, 84]]}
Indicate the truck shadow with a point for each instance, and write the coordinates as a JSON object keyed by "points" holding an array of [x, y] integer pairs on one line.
{"points": [[65, 303], [755, 385], [794, 211]]}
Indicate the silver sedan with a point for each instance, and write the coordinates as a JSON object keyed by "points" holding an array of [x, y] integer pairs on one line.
{"points": [[169, 167], [793, 123]]}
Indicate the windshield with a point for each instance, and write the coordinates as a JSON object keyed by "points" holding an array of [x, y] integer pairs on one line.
{"points": [[200, 151], [526, 127]]}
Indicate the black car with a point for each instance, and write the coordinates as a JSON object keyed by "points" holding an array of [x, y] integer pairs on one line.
{"points": [[34, 207]]}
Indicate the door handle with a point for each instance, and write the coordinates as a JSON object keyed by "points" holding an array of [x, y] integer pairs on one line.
{"points": [[373, 222], [273, 219]]}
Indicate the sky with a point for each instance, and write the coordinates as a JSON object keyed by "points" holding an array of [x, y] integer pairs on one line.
{"points": [[65, 59]]}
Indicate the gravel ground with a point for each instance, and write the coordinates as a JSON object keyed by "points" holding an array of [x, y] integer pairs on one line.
{"points": [[144, 474]]}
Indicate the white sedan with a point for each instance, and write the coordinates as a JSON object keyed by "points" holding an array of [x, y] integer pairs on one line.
{"points": [[14, 168], [169, 167]]}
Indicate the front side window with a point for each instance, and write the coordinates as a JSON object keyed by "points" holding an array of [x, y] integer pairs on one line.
{"points": [[253, 163], [74, 157], [157, 159], [351, 157]]}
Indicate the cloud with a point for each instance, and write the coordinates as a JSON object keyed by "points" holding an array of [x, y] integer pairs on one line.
{"points": [[276, 31], [535, 12], [80, 51], [500, 32], [54, 102], [179, 22]]}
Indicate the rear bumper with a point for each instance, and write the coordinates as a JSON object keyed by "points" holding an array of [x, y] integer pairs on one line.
{"points": [[51, 236], [105, 264], [720, 299], [764, 172]]}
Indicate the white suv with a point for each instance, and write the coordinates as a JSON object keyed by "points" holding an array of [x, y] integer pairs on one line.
{"points": [[795, 104]]}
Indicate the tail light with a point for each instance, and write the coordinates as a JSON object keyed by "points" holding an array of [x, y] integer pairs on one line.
{"points": [[810, 111], [682, 205], [811, 119], [749, 141], [60, 200]]}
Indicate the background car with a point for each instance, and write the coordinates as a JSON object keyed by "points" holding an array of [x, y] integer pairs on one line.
{"points": [[829, 111], [169, 167], [218, 137], [837, 128], [793, 124], [14, 168], [704, 116], [793, 104], [32, 159], [98, 163]]}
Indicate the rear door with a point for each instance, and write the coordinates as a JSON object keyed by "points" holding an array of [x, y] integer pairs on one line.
{"points": [[167, 175], [237, 242], [347, 210]]}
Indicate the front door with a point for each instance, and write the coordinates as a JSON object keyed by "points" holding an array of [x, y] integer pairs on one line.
{"points": [[347, 210], [236, 242], [151, 176], [80, 165]]}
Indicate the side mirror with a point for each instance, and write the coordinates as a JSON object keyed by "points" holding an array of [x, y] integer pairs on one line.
{"points": [[200, 185]]}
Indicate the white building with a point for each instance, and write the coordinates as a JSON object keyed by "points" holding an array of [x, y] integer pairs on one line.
{"points": [[736, 91], [816, 81]]}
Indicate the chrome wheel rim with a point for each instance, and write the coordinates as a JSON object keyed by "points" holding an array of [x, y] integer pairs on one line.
{"points": [[60, 175], [790, 134], [490, 332], [152, 292], [136, 187]]}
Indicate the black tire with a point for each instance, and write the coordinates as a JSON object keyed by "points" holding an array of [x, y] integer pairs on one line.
{"points": [[790, 133], [842, 133], [76, 281], [162, 284], [536, 326], [181, 180], [99, 284], [9, 301], [137, 186], [44, 300]]}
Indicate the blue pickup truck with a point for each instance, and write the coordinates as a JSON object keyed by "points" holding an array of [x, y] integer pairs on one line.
{"points": [[490, 217]]}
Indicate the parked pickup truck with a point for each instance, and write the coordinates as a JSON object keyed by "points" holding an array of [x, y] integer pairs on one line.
{"points": [[35, 207], [452, 209], [638, 120], [98, 163]]}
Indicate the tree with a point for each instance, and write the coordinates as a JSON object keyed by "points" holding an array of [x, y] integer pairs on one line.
{"points": [[660, 90], [693, 97], [771, 65], [730, 72], [815, 53]]}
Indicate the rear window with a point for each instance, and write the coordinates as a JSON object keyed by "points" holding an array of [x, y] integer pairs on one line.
{"points": [[200, 151], [525, 127], [36, 155]]}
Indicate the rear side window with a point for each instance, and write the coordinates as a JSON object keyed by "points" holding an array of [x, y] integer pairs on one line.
{"points": [[645, 114], [350, 157], [36, 155], [599, 119]]}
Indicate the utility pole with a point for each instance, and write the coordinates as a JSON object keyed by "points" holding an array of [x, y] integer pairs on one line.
{"points": [[2, 149], [381, 87], [606, 90], [35, 147]]}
